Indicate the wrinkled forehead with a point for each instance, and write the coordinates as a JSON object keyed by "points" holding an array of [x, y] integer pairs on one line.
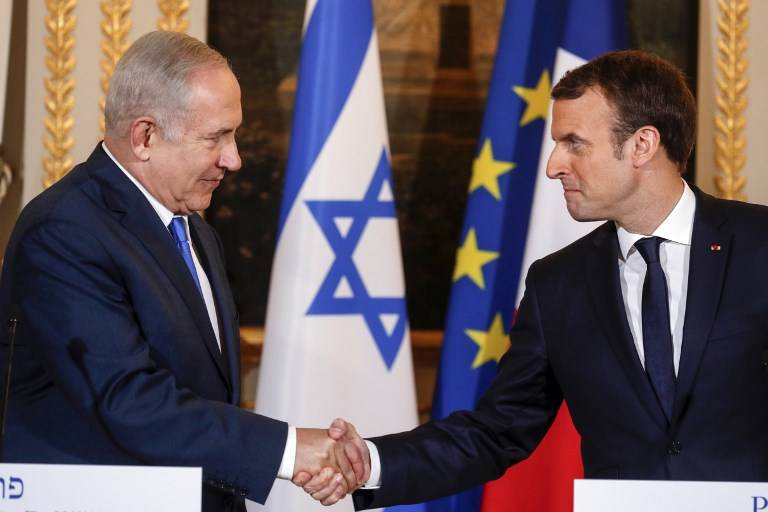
{"points": [[213, 91], [213, 82]]}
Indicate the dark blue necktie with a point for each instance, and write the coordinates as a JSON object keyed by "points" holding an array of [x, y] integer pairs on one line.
{"points": [[657, 335], [178, 228]]}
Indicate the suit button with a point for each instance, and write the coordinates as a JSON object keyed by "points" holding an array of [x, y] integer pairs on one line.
{"points": [[674, 448]]}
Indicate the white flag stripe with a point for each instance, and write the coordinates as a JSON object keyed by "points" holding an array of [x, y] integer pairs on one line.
{"points": [[551, 227], [308, 10], [344, 167]]}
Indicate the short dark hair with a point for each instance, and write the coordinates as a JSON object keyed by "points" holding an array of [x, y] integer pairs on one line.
{"points": [[643, 89]]}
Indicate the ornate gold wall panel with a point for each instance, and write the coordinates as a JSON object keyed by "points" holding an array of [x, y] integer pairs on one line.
{"points": [[115, 25], [59, 101], [173, 15], [731, 98]]}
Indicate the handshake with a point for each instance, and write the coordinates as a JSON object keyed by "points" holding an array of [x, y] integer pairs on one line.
{"points": [[331, 463]]}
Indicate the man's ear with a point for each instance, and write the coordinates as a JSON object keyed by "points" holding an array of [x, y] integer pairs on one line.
{"points": [[143, 136], [646, 142]]}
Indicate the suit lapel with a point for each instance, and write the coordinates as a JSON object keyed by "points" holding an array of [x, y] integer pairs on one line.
{"points": [[710, 245], [142, 221], [208, 251], [602, 274]]}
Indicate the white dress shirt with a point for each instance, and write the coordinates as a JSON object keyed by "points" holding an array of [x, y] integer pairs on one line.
{"points": [[675, 254], [166, 216]]}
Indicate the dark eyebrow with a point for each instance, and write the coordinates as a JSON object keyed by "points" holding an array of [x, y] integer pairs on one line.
{"points": [[573, 139]]}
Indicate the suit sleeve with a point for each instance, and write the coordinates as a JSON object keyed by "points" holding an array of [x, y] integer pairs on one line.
{"points": [[468, 448], [77, 315]]}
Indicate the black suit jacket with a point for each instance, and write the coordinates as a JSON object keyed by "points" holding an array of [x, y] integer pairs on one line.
{"points": [[116, 361], [572, 341]]}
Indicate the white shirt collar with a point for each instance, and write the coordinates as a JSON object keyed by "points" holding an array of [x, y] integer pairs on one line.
{"points": [[677, 227], [164, 213]]}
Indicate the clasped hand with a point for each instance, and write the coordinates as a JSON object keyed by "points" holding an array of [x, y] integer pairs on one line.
{"points": [[331, 463]]}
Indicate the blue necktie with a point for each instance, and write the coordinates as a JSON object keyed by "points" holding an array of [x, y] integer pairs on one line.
{"points": [[657, 335], [178, 229]]}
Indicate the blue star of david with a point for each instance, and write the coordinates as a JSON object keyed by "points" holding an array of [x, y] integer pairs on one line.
{"points": [[357, 300]]}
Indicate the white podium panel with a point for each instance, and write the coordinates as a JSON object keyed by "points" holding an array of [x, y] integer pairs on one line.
{"points": [[668, 496], [54, 488]]}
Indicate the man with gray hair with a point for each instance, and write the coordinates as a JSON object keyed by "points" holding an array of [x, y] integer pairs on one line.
{"points": [[127, 346]]}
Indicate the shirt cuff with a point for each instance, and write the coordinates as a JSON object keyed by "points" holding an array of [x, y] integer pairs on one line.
{"points": [[374, 482], [289, 456]]}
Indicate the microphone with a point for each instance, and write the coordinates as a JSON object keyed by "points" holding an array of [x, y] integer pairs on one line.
{"points": [[12, 322]]}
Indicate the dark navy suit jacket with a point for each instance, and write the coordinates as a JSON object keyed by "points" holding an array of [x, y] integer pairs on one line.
{"points": [[572, 342], [116, 361]]}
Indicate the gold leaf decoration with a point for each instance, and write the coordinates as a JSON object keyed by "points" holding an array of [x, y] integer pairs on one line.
{"points": [[173, 16], [115, 25], [59, 101], [731, 98], [6, 176]]}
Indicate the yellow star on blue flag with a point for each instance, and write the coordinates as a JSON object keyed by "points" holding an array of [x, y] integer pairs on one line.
{"points": [[537, 99], [486, 171], [491, 343], [470, 260]]}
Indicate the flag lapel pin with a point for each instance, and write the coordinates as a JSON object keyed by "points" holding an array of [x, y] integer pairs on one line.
{"points": [[715, 247]]}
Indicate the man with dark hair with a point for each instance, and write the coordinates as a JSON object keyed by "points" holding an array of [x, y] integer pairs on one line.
{"points": [[643, 89], [652, 327]]}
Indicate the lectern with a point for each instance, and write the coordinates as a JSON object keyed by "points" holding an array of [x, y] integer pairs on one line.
{"points": [[668, 496], [49, 487]]}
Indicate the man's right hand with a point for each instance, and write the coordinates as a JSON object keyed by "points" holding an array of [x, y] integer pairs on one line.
{"points": [[342, 448], [316, 458]]}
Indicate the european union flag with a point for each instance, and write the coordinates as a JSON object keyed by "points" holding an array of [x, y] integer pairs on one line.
{"points": [[511, 217]]}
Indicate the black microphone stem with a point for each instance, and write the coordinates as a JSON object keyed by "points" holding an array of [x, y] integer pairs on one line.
{"points": [[7, 388]]}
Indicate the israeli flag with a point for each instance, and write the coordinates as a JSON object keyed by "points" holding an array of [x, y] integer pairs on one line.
{"points": [[337, 341]]}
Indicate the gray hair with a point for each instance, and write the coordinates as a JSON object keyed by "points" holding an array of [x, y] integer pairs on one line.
{"points": [[151, 79]]}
